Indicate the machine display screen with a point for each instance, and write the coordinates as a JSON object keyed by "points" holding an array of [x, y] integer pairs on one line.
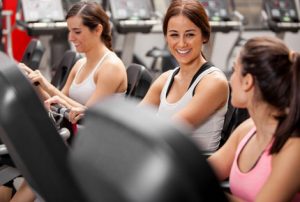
{"points": [[131, 9], [282, 10], [42, 10], [217, 10]]}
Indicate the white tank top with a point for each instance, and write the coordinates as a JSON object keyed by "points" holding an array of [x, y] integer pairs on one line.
{"points": [[81, 92], [208, 134]]}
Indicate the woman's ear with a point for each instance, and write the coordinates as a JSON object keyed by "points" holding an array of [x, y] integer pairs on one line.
{"points": [[99, 29], [248, 82]]}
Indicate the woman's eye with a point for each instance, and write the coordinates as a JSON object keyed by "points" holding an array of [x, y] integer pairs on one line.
{"points": [[173, 35], [190, 35]]}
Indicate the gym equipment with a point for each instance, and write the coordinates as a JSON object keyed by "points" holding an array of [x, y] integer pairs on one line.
{"points": [[8, 172], [130, 17], [32, 139], [7, 31], [37, 22], [281, 15], [167, 60], [1, 28], [33, 54], [62, 70], [67, 4], [223, 17], [139, 80], [116, 157], [138, 156]]}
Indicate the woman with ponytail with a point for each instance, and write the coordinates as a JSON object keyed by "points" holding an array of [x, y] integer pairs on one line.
{"points": [[262, 156], [99, 74]]}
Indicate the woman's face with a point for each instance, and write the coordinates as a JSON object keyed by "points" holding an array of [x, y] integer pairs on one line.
{"points": [[236, 82], [81, 36], [184, 39]]}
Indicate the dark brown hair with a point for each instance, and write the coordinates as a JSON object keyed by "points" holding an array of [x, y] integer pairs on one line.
{"points": [[193, 10], [92, 15], [276, 74]]}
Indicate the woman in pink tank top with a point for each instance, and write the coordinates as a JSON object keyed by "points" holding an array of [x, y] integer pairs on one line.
{"points": [[262, 156]]}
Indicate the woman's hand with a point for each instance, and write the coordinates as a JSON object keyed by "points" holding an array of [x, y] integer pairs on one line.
{"points": [[37, 78], [55, 100], [25, 69], [75, 113]]}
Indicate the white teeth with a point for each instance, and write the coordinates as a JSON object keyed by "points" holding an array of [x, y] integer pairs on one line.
{"points": [[182, 51]]}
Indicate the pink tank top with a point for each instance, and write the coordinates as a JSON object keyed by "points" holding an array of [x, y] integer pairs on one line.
{"points": [[247, 185]]}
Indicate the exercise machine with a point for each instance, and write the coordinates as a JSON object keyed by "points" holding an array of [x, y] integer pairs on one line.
{"points": [[33, 54], [278, 16], [7, 31], [130, 17], [138, 156], [32, 139], [37, 22], [139, 81], [116, 157], [223, 17], [1, 28], [281, 16]]}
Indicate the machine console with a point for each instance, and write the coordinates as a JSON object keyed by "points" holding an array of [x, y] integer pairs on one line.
{"points": [[282, 15], [219, 13], [37, 21], [132, 15]]}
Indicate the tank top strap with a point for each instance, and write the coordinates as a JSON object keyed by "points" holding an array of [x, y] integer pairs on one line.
{"points": [[245, 140], [79, 69], [197, 79], [100, 62], [170, 80]]}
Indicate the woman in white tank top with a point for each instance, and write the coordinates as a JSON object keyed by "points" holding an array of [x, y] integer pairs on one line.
{"points": [[182, 94], [99, 74]]}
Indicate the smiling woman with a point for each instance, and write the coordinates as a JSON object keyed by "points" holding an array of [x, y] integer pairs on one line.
{"points": [[196, 92], [99, 74], [90, 79]]}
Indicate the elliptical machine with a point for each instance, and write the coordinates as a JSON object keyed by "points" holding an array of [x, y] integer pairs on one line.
{"points": [[129, 18], [281, 16]]}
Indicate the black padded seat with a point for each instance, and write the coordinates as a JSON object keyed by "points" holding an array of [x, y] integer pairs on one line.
{"points": [[139, 80], [32, 139], [33, 54], [64, 68]]}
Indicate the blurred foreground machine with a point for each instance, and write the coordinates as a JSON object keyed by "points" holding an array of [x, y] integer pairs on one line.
{"points": [[124, 153]]}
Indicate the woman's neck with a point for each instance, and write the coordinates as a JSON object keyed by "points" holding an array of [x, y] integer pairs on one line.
{"points": [[264, 119], [94, 55], [192, 67]]}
